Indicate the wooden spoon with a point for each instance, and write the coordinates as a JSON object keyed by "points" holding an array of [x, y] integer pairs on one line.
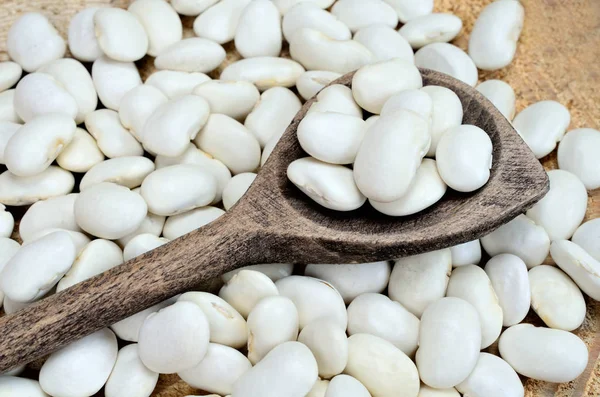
{"points": [[275, 223]]}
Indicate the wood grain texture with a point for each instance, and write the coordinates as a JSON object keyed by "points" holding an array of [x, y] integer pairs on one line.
{"points": [[557, 58]]}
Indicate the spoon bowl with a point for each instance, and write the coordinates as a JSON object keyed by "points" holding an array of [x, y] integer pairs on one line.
{"points": [[517, 181], [276, 223]]}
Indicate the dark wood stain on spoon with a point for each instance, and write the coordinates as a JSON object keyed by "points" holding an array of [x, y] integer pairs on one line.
{"points": [[275, 223]]}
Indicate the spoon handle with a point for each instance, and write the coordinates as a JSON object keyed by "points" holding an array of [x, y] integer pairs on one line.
{"points": [[194, 261]]}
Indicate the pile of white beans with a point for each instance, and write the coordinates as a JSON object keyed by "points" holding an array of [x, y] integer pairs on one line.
{"points": [[407, 122], [166, 156]]}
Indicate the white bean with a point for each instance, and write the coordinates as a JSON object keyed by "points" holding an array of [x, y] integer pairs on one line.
{"points": [[174, 124], [96, 257], [97, 212], [38, 94], [112, 138], [275, 271], [120, 34], [37, 144], [141, 244], [330, 185], [7, 108], [525, 348], [381, 367], [138, 105], [448, 59], [390, 155], [577, 154], [319, 388], [218, 371], [83, 43], [473, 285], [37, 267], [420, 280], [232, 98], [501, 95], [336, 98], [7, 222], [227, 326], [79, 239], [264, 72], [192, 7], [426, 391], [175, 84], [114, 79], [272, 114], [509, 279], [273, 321], [310, 83], [285, 6], [464, 157], [331, 137], [316, 51], [416, 100], [432, 28], [81, 154], [346, 386], [57, 212], [246, 289], [493, 40], [426, 189], [492, 377], [542, 125], [128, 328], [193, 155], [328, 343], [259, 30], [408, 9], [174, 339], [579, 265], [52, 182], [307, 14], [563, 208], [468, 253], [129, 377], [8, 249], [161, 24], [314, 299], [10, 73], [449, 342], [377, 315], [358, 14], [587, 236], [556, 298], [81, 368], [32, 42], [385, 43], [229, 142], [288, 370], [354, 279], [220, 21], [76, 80], [194, 54], [20, 386], [190, 186], [178, 225], [236, 188], [7, 130], [520, 237], [152, 224]]}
